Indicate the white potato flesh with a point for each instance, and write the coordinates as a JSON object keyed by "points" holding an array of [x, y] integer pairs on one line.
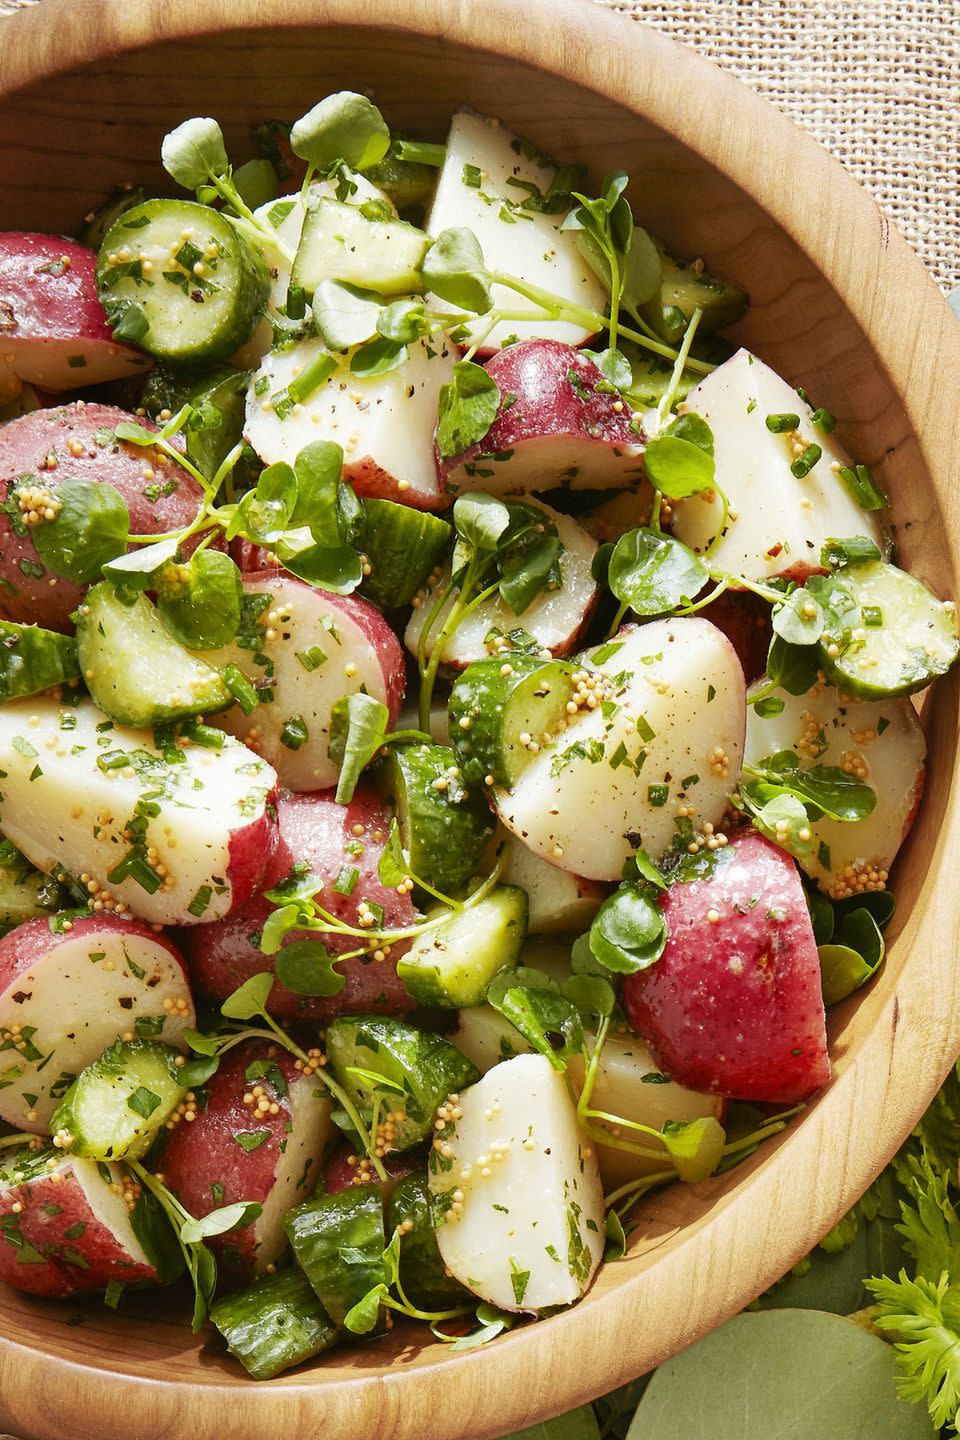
{"points": [[526, 244], [309, 1134], [559, 903], [284, 217], [105, 1198], [77, 997], [556, 617], [486, 1037], [881, 742], [613, 780], [339, 658], [72, 815], [384, 424], [524, 1219], [781, 521]]}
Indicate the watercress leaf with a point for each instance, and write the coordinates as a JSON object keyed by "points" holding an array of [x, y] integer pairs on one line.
{"points": [[614, 365], [600, 565], [335, 568], [307, 968], [277, 485], [629, 931], [591, 994], [642, 269], [135, 434], [694, 1146], [218, 1222], [255, 181], [318, 468], [363, 1317], [392, 867], [822, 916], [526, 573], [152, 1228], [545, 1018], [278, 924], [616, 1246], [194, 1073], [480, 520], [138, 569], [799, 619], [344, 314], [880, 904], [678, 467], [358, 725], [468, 407], [377, 357], [345, 126], [691, 426], [454, 269], [249, 999], [654, 573], [768, 706], [202, 1044], [194, 152], [781, 817], [403, 321], [492, 1323], [199, 601], [842, 971], [90, 529], [830, 789], [792, 667], [640, 865]]}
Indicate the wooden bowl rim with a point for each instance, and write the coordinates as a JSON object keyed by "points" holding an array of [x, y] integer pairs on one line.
{"points": [[538, 1370]]}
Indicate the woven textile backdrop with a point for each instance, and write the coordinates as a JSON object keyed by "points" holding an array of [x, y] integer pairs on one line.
{"points": [[876, 81]]}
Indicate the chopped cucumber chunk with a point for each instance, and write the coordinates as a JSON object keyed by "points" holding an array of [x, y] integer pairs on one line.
{"points": [[203, 292], [220, 396], [494, 718], [886, 634], [25, 892], [408, 1072], [105, 216], [405, 182], [116, 1107], [134, 668], [274, 1324], [422, 1273], [402, 546], [338, 1242], [452, 965], [338, 242], [32, 659], [444, 829], [683, 289]]}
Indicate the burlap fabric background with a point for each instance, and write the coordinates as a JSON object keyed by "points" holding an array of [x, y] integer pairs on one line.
{"points": [[876, 81]]}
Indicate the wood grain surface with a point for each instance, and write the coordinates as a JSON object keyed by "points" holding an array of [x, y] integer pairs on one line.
{"points": [[840, 305]]}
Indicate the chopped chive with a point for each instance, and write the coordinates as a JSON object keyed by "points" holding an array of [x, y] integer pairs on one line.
{"points": [[420, 152], [804, 463], [294, 733], [872, 616], [113, 760], [780, 424], [824, 421], [207, 735], [240, 688], [657, 795]]}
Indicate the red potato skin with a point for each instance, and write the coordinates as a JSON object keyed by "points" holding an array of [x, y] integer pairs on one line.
{"points": [[37, 445], [59, 1192], [339, 1174], [536, 373], [47, 301], [315, 829], [252, 854], [745, 620], [34, 941], [734, 1006], [199, 1154], [372, 482]]}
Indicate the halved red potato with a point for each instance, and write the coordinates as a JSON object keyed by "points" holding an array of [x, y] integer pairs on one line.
{"points": [[384, 423], [266, 1149], [665, 733], [557, 618], [734, 1003], [75, 442], [65, 997], [558, 903], [208, 821], [65, 1225], [312, 648], [334, 840], [344, 1168], [779, 522], [554, 427], [53, 330], [745, 620], [881, 742], [482, 185]]}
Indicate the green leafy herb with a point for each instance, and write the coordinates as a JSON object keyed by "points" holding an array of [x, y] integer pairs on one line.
{"points": [[468, 407], [90, 529], [344, 127]]}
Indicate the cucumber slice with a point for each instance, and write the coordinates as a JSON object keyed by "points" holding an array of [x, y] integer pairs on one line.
{"points": [[32, 659], [274, 1324], [223, 389], [404, 182], [25, 892], [116, 1106], [402, 546], [203, 292], [452, 965], [133, 667], [886, 634], [338, 242], [418, 1069], [338, 1242], [422, 1272], [444, 831], [490, 711], [104, 217], [683, 290]]}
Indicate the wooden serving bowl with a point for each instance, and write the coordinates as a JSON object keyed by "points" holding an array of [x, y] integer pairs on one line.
{"points": [[840, 305]]}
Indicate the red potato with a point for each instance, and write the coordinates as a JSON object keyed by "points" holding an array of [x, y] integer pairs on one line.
{"points": [[317, 831], [38, 449], [65, 1226], [53, 330], [554, 427], [734, 1004], [745, 620], [65, 998], [344, 1168], [312, 649], [234, 1151], [212, 824]]}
